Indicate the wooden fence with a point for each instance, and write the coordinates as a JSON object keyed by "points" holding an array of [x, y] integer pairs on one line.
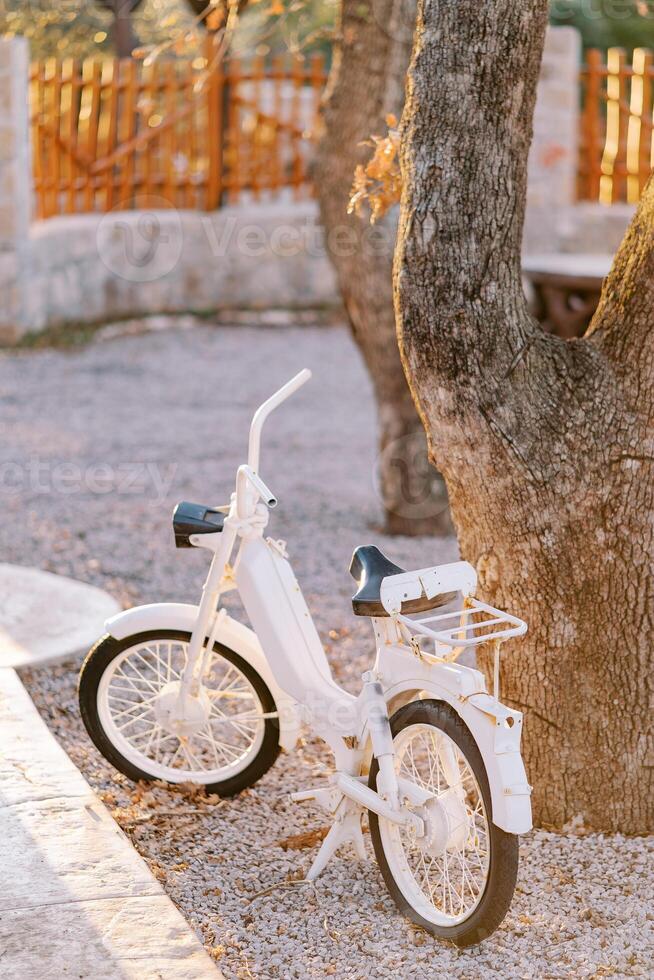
{"points": [[616, 146], [174, 133]]}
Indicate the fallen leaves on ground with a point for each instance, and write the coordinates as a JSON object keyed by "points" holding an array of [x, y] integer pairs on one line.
{"points": [[301, 842]]}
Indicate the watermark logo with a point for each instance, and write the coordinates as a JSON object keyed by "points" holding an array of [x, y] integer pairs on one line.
{"points": [[140, 240], [148, 480], [406, 482], [401, 23]]}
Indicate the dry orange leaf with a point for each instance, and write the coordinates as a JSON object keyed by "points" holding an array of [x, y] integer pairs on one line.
{"points": [[214, 19], [378, 183], [300, 842]]}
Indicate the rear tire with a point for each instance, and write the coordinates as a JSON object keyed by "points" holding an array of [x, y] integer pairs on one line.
{"points": [[492, 853], [138, 752]]}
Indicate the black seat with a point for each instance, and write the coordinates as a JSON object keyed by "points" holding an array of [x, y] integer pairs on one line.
{"points": [[368, 567], [191, 519]]}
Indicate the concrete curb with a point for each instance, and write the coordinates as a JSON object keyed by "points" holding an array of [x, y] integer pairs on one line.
{"points": [[76, 899], [46, 617]]}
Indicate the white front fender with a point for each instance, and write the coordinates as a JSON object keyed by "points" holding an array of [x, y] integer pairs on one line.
{"points": [[182, 616], [499, 744]]}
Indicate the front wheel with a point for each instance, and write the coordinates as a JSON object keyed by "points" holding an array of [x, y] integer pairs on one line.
{"points": [[225, 735], [457, 880]]}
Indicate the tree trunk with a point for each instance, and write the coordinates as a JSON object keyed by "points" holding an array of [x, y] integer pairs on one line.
{"points": [[546, 445], [122, 33], [366, 84]]}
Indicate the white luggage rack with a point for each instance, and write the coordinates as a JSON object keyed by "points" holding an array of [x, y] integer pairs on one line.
{"points": [[451, 632], [450, 641], [465, 632]]}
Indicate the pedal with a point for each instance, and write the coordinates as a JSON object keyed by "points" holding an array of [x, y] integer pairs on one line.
{"points": [[328, 797], [303, 794]]}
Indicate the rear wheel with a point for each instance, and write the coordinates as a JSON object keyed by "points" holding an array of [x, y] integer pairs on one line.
{"points": [[456, 881], [226, 737]]}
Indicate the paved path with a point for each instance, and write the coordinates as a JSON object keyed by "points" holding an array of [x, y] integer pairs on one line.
{"points": [[77, 900], [45, 617]]}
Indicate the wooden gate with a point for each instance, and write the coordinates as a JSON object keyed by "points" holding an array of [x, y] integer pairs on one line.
{"points": [[174, 133], [616, 148]]}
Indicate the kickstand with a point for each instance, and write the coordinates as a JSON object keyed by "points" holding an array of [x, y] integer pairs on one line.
{"points": [[346, 827]]}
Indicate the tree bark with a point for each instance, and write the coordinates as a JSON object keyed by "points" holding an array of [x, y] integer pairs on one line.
{"points": [[122, 33], [546, 445], [366, 84]]}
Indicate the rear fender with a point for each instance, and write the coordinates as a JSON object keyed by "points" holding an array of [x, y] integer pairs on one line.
{"points": [[231, 633], [498, 740]]}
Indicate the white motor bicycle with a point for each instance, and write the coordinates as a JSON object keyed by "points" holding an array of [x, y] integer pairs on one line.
{"points": [[185, 693]]}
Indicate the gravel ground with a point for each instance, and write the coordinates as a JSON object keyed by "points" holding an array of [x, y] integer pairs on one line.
{"points": [[98, 444]]}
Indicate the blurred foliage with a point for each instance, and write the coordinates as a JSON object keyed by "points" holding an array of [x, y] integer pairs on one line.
{"points": [[79, 28], [608, 23], [276, 26]]}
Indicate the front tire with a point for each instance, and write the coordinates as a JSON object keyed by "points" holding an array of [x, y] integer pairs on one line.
{"points": [[458, 881], [127, 691]]}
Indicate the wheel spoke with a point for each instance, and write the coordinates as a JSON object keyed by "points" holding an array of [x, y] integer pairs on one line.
{"points": [[146, 734], [135, 684], [114, 697], [207, 731], [136, 706], [239, 727], [159, 681], [225, 747], [192, 758], [156, 730], [244, 719], [173, 758]]}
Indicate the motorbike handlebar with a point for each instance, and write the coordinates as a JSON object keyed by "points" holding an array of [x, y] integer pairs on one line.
{"points": [[244, 475], [262, 413], [247, 473]]}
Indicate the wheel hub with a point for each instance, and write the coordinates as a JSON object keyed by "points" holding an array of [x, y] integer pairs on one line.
{"points": [[181, 716], [446, 824]]}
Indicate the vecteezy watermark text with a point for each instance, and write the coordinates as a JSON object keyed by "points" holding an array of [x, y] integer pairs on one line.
{"points": [[37, 476], [147, 244]]}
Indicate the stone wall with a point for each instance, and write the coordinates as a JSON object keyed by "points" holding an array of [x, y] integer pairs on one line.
{"points": [[89, 267], [86, 268]]}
